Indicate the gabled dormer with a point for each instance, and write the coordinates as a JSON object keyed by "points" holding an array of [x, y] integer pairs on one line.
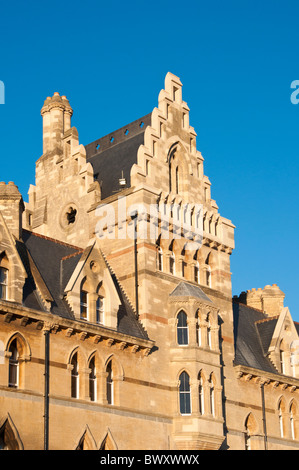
{"points": [[90, 291], [284, 346]]}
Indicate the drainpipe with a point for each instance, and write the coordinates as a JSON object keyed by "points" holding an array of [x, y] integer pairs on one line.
{"points": [[134, 218], [264, 415], [46, 389]]}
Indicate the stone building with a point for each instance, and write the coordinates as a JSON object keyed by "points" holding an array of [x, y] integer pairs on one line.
{"points": [[117, 325]]}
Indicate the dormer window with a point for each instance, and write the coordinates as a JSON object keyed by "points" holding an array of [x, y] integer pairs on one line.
{"points": [[3, 283], [83, 305], [100, 310]]}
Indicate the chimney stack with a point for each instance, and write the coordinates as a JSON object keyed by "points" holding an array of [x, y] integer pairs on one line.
{"points": [[270, 299]]}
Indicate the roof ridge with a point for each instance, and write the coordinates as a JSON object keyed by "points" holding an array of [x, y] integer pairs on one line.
{"points": [[72, 255], [263, 320], [59, 242]]}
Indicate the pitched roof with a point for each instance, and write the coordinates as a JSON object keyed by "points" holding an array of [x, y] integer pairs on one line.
{"points": [[252, 337], [55, 262], [113, 155], [185, 289]]}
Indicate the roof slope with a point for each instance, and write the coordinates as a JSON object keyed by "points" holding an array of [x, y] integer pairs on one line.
{"points": [[113, 155], [252, 337], [55, 262], [185, 289]]}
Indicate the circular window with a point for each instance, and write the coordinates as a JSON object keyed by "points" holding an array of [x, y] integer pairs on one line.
{"points": [[69, 216]]}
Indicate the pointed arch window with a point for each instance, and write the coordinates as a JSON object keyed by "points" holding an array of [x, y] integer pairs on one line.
{"points": [[160, 258], [293, 413], [92, 380], [209, 332], [201, 395], [282, 358], [172, 263], [208, 271], [83, 305], [198, 329], [13, 367], [196, 273], [3, 283], [185, 394], [212, 396], [177, 180], [109, 384], [75, 377], [247, 436], [281, 411], [182, 328], [100, 310]]}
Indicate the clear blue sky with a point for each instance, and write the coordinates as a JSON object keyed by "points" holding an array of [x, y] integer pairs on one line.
{"points": [[236, 60]]}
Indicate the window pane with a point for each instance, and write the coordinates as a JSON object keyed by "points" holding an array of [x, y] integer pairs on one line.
{"points": [[182, 329], [83, 305], [92, 381], [3, 283], [109, 384], [75, 378], [185, 398], [100, 310]]}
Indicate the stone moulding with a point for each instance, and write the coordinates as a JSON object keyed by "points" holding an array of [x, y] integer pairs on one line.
{"points": [[266, 378], [85, 331]]}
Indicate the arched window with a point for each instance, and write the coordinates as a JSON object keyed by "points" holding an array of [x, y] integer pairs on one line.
{"points": [[182, 328], [198, 329], [201, 397], [83, 305], [282, 358], [92, 380], [247, 434], [196, 273], [109, 384], [209, 332], [177, 180], [281, 418], [160, 258], [293, 413], [100, 310], [185, 394], [208, 276], [208, 271], [172, 263], [212, 396], [75, 377], [3, 283], [13, 367]]}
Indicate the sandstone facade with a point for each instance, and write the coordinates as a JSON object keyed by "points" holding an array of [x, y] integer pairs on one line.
{"points": [[117, 325]]}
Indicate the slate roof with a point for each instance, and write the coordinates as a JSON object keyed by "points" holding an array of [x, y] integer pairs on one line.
{"points": [[252, 334], [113, 155], [55, 262], [185, 289]]}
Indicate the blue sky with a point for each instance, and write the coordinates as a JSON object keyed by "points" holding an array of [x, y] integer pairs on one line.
{"points": [[236, 60]]}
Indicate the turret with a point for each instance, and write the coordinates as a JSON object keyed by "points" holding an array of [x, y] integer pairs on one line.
{"points": [[56, 113]]}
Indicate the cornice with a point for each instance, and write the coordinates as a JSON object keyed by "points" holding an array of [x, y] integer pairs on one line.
{"points": [[85, 331], [260, 377]]}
